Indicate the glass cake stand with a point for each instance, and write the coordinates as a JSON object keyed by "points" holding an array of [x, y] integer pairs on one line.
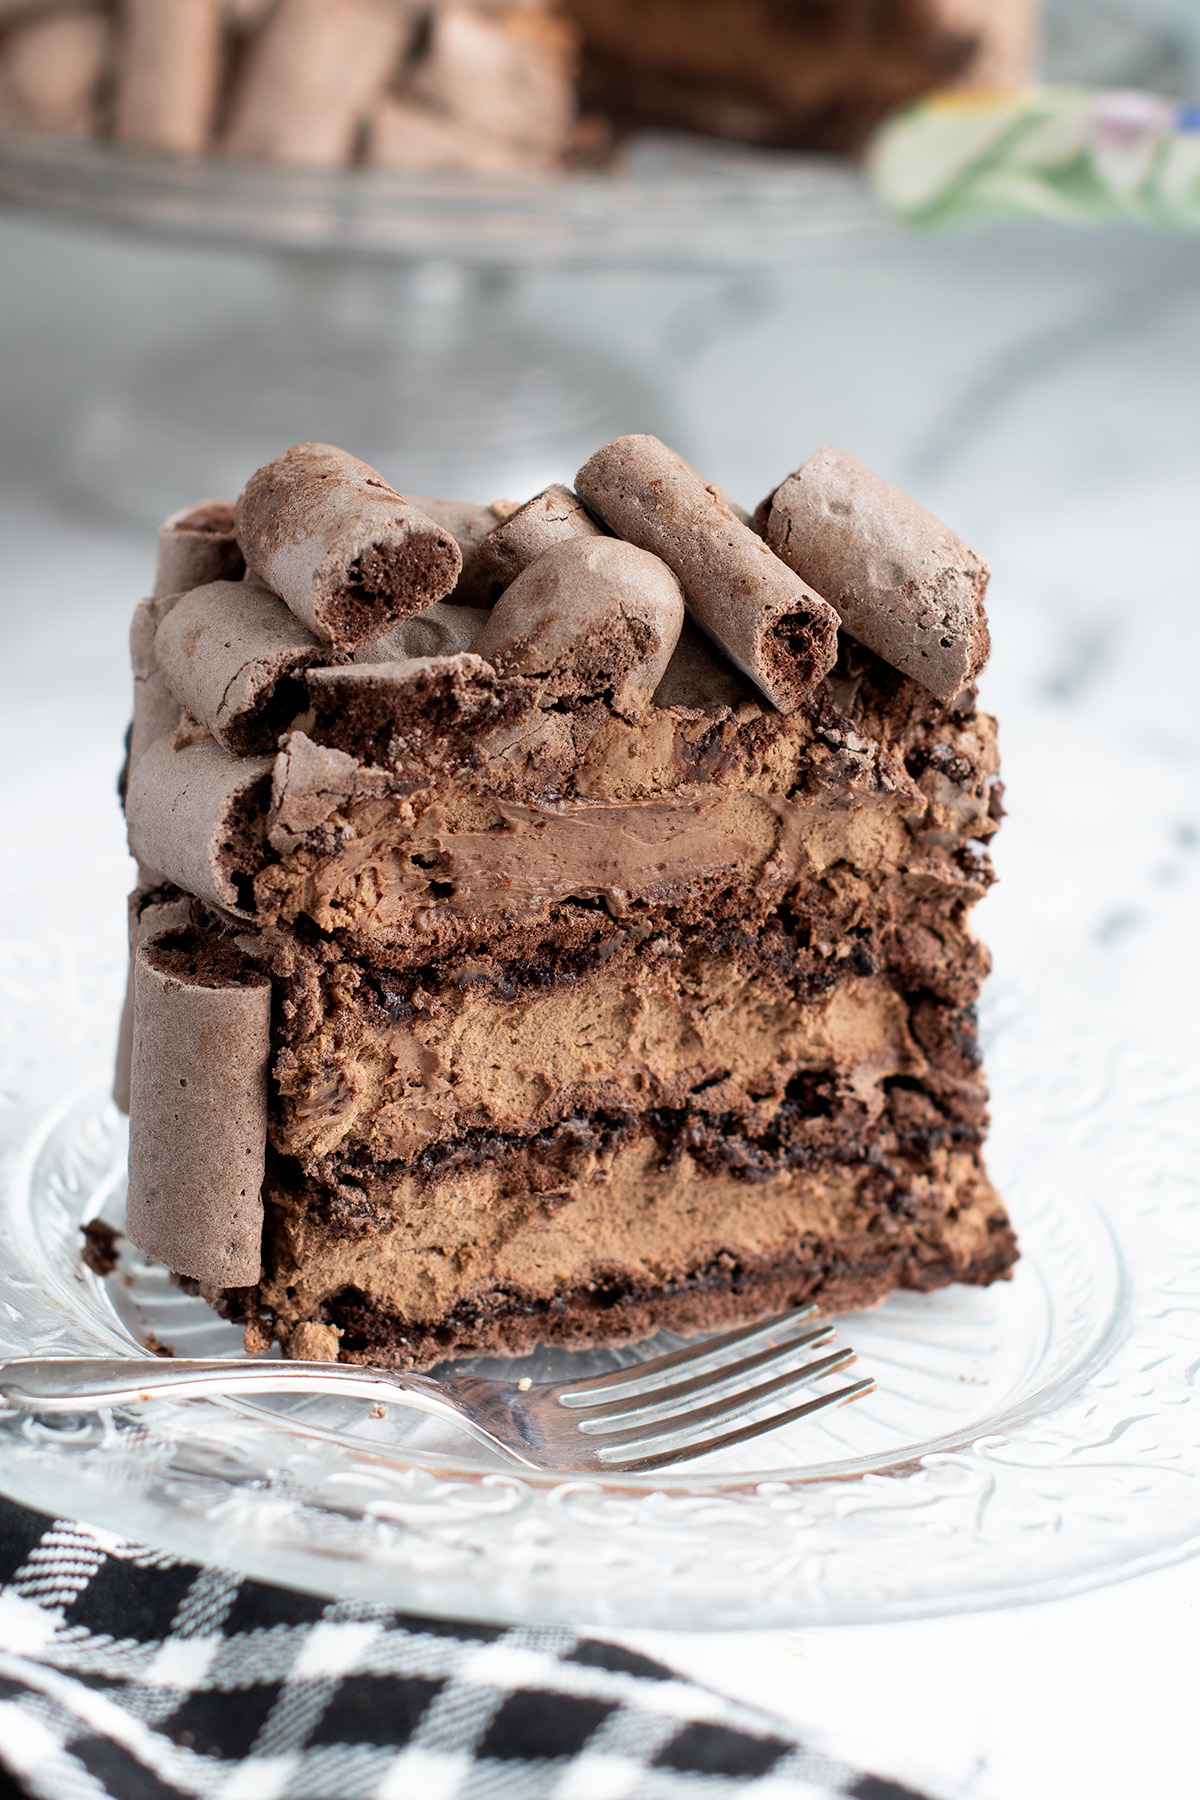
{"points": [[398, 312], [672, 202]]}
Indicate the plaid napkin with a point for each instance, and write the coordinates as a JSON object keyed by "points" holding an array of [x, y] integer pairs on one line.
{"points": [[127, 1673]]}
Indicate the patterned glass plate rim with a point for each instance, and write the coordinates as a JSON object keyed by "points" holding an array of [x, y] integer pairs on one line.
{"points": [[676, 202], [1077, 1465]]}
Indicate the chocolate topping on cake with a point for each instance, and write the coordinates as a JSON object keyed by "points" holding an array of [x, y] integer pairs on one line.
{"points": [[55, 64], [592, 618], [347, 553], [766, 620], [311, 76], [170, 66], [441, 630], [197, 545], [150, 913], [902, 582], [308, 783], [438, 708], [699, 679], [469, 525], [198, 1117], [552, 517], [156, 711], [234, 656], [196, 814]]}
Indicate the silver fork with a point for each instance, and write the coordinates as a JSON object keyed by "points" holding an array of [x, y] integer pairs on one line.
{"points": [[629, 1421]]}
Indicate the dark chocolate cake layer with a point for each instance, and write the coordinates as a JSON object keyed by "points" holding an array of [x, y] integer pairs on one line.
{"points": [[607, 995], [815, 73]]}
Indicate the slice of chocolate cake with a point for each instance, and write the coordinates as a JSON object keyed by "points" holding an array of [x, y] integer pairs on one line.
{"points": [[553, 921], [815, 73]]}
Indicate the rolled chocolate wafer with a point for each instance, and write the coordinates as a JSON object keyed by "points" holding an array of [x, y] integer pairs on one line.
{"points": [[507, 78], [441, 630], [408, 134], [196, 546], [198, 1108], [347, 553], [160, 909], [468, 524], [246, 15], [759, 612], [156, 715], [551, 517], [903, 583], [311, 77], [592, 617], [196, 815], [156, 711], [168, 73], [234, 655], [26, 10], [436, 711], [52, 70]]}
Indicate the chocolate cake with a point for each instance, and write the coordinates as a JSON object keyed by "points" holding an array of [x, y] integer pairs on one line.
{"points": [[820, 74], [553, 920], [487, 85]]}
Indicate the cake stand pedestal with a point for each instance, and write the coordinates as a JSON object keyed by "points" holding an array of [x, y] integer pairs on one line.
{"points": [[425, 370], [399, 320]]}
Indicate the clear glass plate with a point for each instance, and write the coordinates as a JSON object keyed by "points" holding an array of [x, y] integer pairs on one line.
{"points": [[674, 202], [1024, 1441]]}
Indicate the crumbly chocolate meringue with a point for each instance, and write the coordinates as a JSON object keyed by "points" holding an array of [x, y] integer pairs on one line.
{"points": [[902, 582], [342, 548], [552, 517], [440, 709], [469, 525], [765, 619], [169, 72], [234, 655], [441, 630], [197, 545], [592, 616], [198, 1113], [194, 815], [151, 911], [311, 76]]}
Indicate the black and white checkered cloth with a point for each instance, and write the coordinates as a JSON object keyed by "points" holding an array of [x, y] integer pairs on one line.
{"points": [[126, 1673]]}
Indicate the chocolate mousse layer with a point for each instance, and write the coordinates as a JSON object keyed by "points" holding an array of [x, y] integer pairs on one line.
{"points": [[607, 994]]}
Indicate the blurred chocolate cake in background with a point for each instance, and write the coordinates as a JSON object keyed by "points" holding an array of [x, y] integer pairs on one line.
{"points": [[496, 86], [817, 74]]}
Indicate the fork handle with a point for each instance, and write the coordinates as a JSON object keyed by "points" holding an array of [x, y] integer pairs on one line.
{"points": [[85, 1384]]}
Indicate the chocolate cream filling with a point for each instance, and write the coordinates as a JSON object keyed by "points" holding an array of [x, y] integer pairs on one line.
{"points": [[650, 1034], [651, 1026], [436, 1252], [486, 1164]]}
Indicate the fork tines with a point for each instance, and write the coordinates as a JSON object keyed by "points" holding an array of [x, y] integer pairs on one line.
{"points": [[638, 1416]]}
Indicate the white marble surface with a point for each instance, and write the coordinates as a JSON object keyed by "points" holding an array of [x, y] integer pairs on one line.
{"points": [[1091, 1698], [1042, 393]]}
